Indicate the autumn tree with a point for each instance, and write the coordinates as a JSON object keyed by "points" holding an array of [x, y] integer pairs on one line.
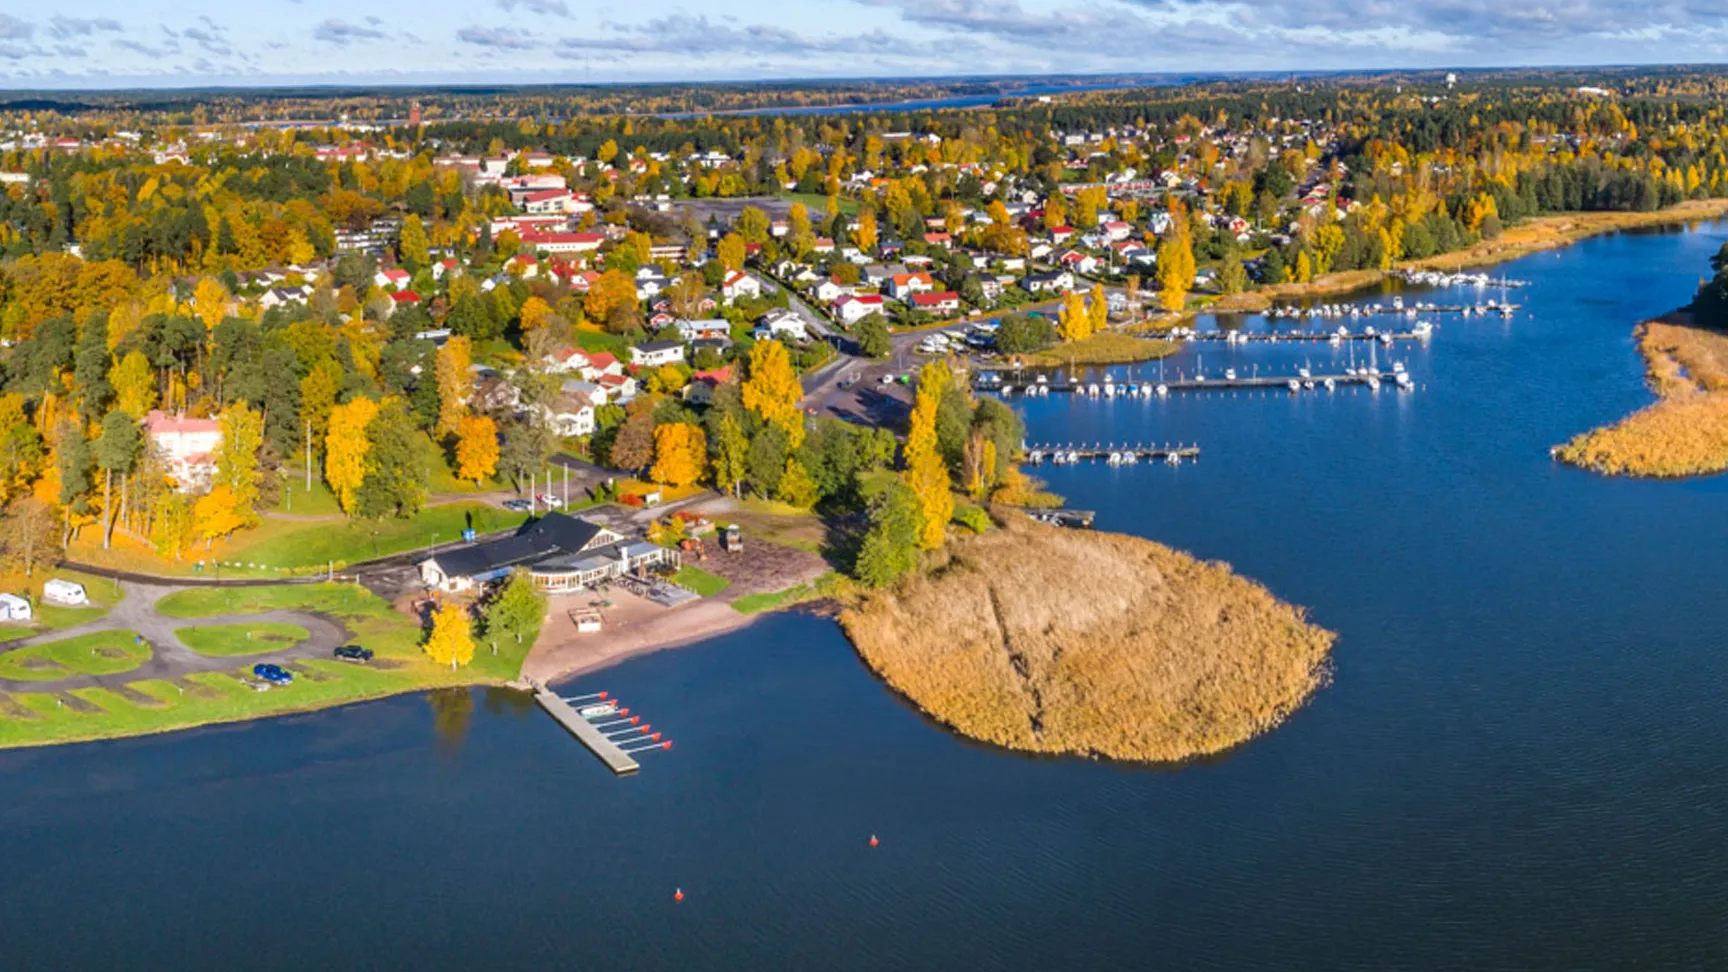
{"points": [[796, 488], [413, 245], [864, 234], [345, 448], [237, 456], [1175, 261], [217, 514], [476, 448], [211, 300], [534, 314], [1073, 323], [730, 251], [679, 452], [455, 383], [134, 384], [318, 391], [926, 471], [772, 391], [27, 534], [1098, 310], [451, 641]]}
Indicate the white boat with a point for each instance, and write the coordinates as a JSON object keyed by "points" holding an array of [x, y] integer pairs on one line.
{"points": [[1331, 385], [1229, 374], [1163, 390], [1295, 385]]}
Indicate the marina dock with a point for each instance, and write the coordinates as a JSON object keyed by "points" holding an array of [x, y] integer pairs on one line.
{"points": [[598, 743], [1368, 377], [1309, 337], [1116, 455]]}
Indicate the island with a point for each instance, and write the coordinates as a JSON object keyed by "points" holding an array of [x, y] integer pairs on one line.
{"points": [[1050, 640]]}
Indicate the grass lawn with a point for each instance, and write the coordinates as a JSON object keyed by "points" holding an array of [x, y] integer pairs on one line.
{"points": [[292, 545], [153, 705], [1107, 347], [817, 204], [301, 501], [592, 339], [701, 581], [99, 653], [774, 600], [229, 640]]}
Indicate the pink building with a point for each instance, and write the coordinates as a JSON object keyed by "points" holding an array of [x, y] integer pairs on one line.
{"points": [[188, 444]]}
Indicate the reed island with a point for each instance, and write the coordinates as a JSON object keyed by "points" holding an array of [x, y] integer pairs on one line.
{"points": [[1685, 431], [1059, 641]]}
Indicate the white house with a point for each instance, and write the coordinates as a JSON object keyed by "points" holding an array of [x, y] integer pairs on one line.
{"points": [[738, 284], [569, 418], [781, 326], [856, 308], [653, 354], [902, 286], [188, 444], [830, 290], [392, 279], [708, 329]]}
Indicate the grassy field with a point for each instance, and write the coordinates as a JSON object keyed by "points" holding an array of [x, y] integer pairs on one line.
{"points": [[292, 545], [150, 705], [775, 600], [817, 204], [98, 653], [1685, 433], [700, 581], [299, 500], [1067, 641], [235, 640], [1103, 348]]}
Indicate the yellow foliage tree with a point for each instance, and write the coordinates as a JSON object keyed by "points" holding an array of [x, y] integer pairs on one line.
{"points": [[730, 251], [210, 299], [217, 514], [534, 313], [476, 448], [865, 235], [680, 451], [1176, 261], [926, 473], [772, 390], [454, 382], [134, 383], [452, 639], [345, 448], [1072, 322], [1098, 310]]}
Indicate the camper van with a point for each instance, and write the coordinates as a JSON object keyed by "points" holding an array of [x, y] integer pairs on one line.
{"points": [[14, 608], [69, 593]]}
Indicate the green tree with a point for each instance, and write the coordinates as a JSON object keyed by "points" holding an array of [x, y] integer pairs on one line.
{"points": [[117, 451], [396, 474], [873, 338], [727, 450], [515, 611], [890, 547]]}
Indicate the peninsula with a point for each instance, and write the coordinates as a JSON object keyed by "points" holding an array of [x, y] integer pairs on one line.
{"points": [[1048, 640]]}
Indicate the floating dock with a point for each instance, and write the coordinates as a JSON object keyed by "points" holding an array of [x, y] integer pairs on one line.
{"points": [[1115, 455], [1149, 389], [609, 752], [1311, 337]]}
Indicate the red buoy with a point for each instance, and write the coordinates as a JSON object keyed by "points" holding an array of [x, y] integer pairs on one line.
{"points": [[873, 840], [678, 895]]}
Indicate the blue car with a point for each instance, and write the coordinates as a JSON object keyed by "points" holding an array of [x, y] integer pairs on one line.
{"points": [[274, 674]]}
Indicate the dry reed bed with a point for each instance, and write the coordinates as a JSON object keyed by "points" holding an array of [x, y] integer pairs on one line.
{"points": [[1050, 640], [1685, 433]]}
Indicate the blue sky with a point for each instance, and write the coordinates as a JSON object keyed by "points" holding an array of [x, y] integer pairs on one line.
{"points": [[108, 43]]}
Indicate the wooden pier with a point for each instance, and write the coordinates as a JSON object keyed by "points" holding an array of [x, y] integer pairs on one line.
{"points": [[1149, 389], [1288, 312], [609, 752], [1116, 455]]}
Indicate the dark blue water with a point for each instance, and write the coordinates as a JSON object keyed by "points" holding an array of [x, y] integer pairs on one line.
{"points": [[1522, 762]]}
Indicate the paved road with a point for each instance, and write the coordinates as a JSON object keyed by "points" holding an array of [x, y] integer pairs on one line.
{"points": [[170, 658]]}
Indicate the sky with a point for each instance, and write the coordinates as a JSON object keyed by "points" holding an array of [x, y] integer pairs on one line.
{"points": [[85, 44]]}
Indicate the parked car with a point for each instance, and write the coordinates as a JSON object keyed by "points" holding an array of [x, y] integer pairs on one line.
{"points": [[274, 674], [550, 502], [518, 505], [354, 653]]}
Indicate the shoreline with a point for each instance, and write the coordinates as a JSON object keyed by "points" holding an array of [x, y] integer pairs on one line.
{"points": [[1539, 234]]}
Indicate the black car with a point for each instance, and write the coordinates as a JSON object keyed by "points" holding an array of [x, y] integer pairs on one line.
{"points": [[354, 653]]}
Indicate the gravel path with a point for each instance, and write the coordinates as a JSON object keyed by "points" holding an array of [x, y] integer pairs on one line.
{"points": [[169, 657]]}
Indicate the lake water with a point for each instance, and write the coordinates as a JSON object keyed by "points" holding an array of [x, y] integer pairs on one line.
{"points": [[1522, 762]]}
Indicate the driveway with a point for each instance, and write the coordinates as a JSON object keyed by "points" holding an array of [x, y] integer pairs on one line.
{"points": [[169, 658]]}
